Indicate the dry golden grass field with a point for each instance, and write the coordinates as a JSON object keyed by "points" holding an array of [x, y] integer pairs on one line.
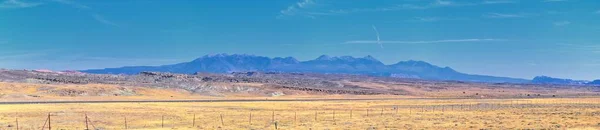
{"points": [[547, 113]]}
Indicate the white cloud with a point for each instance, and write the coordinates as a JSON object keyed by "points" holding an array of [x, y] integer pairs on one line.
{"points": [[72, 4], [103, 20], [20, 56], [295, 9], [554, 0], [442, 2], [423, 42], [97, 17], [12, 4], [501, 15], [426, 19], [553, 12], [305, 3], [561, 23], [302, 8], [577, 47], [499, 2]]}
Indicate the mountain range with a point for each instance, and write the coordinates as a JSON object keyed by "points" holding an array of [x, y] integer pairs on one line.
{"points": [[551, 80], [224, 63]]}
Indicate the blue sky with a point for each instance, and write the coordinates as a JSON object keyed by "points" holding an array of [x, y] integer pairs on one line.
{"points": [[511, 38]]}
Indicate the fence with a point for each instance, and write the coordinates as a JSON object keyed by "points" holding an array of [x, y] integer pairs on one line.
{"points": [[233, 117]]}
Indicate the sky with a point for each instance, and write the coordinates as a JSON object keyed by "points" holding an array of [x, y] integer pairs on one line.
{"points": [[512, 38]]}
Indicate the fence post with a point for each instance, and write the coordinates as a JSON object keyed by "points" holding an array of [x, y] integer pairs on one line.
{"points": [[162, 121], [86, 123], [222, 124], [126, 123], [443, 108], [334, 117], [17, 120], [350, 113], [316, 115], [250, 119], [194, 121], [49, 125], [272, 115]]}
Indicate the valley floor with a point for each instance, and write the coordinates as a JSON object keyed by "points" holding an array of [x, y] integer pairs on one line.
{"points": [[546, 113]]}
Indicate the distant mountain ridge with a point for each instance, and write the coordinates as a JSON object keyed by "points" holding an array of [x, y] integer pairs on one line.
{"points": [[595, 82], [551, 80], [368, 65]]}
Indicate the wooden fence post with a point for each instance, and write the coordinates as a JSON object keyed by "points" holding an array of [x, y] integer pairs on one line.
{"points": [[86, 123], [250, 118], [350, 113], [443, 108], [334, 117], [316, 112], [17, 120], [222, 123], [126, 123], [162, 121], [194, 121], [49, 125]]}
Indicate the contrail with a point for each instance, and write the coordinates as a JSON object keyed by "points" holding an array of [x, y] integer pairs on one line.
{"points": [[378, 40]]}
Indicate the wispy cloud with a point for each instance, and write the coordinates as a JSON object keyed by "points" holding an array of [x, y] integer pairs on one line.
{"points": [[579, 47], [21, 56], [96, 16], [502, 15], [296, 8], [435, 4], [102, 20], [424, 42], [499, 2], [553, 12], [8, 4], [18, 54], [597, 12], [13, 4], [430, 19], [561, 23], [425, 19], [555, 0], [72, 4], [377, 34], [302, 8]]}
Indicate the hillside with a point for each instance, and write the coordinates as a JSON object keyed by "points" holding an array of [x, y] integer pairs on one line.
{"points": [[258, 84]]}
